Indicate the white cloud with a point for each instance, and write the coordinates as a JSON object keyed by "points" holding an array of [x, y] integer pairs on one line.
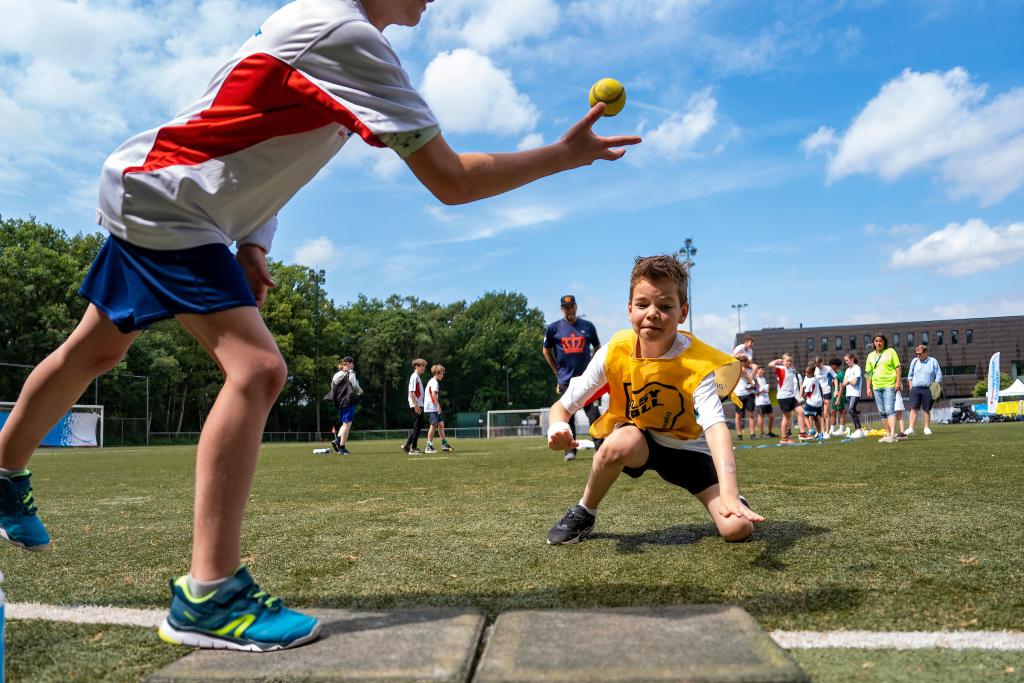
{"points": [[531, 141], [896, 230], [822, 139], [614, 14], [470, 94], [717, 330], [678, 135], [318, 253], [984, 306], [929, 120], [489, 25], [482, 226], [962, 249]]}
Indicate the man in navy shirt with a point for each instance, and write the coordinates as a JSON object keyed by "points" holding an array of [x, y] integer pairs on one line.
{"points": [[567, 350]]}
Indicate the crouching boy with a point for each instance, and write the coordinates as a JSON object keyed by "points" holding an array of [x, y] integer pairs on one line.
{"points": [[664, 386]]}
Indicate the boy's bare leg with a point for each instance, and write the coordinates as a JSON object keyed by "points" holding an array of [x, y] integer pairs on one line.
{"points": [[346, 427], [440, 431], [625, 447], [731, 528], [430, 434], [254, 372], [94, 347]]}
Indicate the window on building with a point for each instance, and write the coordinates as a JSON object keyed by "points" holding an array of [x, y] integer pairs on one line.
{"points": [[924, 338], [970, 336], [959, 370], [810, 344], [853, 342], [867, 342], [938, 337], [954, 337], [839, 343], [910, 339], [895, 339], [824, 343]]}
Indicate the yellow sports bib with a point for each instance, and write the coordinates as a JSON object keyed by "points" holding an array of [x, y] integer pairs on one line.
{"points": [[657, 393]]}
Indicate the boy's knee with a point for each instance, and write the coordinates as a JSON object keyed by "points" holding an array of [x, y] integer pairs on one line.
{"points": [[739, 531], [265, 375], [611, 455]]}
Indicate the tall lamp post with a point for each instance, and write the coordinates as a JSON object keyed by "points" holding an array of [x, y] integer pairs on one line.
{"points": [[739, 322], [689, 251], [319, 278]]}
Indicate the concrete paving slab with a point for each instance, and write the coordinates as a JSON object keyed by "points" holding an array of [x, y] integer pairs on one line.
{"points": [[703, 643], [393, 646]]}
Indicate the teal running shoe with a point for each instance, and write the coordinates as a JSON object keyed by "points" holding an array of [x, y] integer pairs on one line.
{"points": [[19, 522], [236, 616]]}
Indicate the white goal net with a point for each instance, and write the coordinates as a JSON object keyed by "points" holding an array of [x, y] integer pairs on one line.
{"points": [[80, 426], [521, 422]]}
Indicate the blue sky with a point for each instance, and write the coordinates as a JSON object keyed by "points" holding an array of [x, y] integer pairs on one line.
{"points": [[834, 163]]}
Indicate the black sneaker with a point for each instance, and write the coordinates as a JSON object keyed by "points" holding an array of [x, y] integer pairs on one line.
{"points": [[574, 526], [772, 435], [739, 437], [336, 445], [344, 451]]}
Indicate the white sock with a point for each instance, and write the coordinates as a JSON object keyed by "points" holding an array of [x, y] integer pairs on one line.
{"points": [[591, 511], [5, 472], [200, 589]]}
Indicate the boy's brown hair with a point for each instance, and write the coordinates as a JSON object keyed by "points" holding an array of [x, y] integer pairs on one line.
{"points": [[436, 369], [419, 361], [661, 267]]}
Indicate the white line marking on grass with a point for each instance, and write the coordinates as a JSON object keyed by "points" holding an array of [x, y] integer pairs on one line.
{"points": [[901, 640], [86, 614], [790, 640]]}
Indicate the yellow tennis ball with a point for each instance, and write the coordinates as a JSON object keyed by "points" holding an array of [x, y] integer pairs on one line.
{"points": [[611, 92]]}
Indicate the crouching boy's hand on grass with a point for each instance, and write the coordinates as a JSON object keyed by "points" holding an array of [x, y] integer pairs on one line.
{"points": [[732, 506], [560, 437]]}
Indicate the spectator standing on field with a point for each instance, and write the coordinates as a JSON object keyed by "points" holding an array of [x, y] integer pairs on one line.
{"points": [[789, 387], [853, 380], [923, 372], [416, 398], [884, 371], [746, 392], [567, 345], [838, 426], [763, 402], [744, 350], [345, 398], [432, 407]]}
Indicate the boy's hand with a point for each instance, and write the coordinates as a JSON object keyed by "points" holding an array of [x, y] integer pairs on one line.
{"points": [[732, 506], [584, 147], [560, 437], [254, 262]]}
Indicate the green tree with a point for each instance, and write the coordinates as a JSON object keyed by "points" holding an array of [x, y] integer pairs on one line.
{"points": [[981, 388]]}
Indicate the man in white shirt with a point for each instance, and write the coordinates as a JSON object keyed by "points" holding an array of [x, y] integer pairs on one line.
{"points": [[853, 381]]}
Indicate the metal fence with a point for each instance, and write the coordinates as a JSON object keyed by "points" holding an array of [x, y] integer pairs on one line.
{"points": [[183, 438]]}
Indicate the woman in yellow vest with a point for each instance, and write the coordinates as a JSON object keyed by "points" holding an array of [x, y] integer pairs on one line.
{"points": [[664, 387]]}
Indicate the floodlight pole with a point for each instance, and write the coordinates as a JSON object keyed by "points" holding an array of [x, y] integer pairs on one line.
{"points": [[689, 251], [739, 323], [319, 277]]}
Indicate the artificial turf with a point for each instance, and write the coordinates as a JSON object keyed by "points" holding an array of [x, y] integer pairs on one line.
{"points": [[920, 535]]}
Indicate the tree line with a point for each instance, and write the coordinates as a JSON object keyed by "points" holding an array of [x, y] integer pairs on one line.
{"points": [[489, 346]]}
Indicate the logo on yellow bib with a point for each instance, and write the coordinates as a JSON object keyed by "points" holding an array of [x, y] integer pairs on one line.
{"points": [[654, 405]]}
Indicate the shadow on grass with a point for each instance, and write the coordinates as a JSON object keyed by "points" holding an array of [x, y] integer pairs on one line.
{"points": [[777, 538]]}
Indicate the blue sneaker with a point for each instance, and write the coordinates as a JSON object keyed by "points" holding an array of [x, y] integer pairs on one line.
{"points": [[236, 616], [19, 523]]}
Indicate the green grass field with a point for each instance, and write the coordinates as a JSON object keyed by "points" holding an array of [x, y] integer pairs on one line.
{"points": [[921, 535]]}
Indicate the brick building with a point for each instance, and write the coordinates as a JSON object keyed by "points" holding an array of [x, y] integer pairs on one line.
{"points": [[962, 346]]}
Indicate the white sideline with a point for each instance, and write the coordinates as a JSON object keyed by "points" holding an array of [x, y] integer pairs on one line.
{"points": [[790, 640]]}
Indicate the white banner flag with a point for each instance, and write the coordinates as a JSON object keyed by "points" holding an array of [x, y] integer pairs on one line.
{"points": [[993, 384]]}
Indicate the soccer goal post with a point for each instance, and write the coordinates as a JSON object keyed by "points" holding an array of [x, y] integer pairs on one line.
{"points": [[80, 426], [521, 422]]}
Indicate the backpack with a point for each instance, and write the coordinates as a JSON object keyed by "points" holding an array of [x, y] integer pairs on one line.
{"points": [[342, 394]]}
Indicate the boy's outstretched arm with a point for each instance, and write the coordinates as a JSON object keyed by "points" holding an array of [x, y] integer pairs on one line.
{"points": [[559, 434], [461, 178], [720, 443]]}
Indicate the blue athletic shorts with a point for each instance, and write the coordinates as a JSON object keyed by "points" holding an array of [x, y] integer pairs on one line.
{"points": [[136, 287], [435, 418], [345, 415]]}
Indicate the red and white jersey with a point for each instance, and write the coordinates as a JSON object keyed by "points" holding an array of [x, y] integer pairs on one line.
{"points": [[415, 392], [315, 73]]}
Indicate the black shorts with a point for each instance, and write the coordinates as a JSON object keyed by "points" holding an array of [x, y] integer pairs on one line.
{"points": [[765, 410], [691, 470], [812, 411], [787, 405], [747, 407], [921, 398]]}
